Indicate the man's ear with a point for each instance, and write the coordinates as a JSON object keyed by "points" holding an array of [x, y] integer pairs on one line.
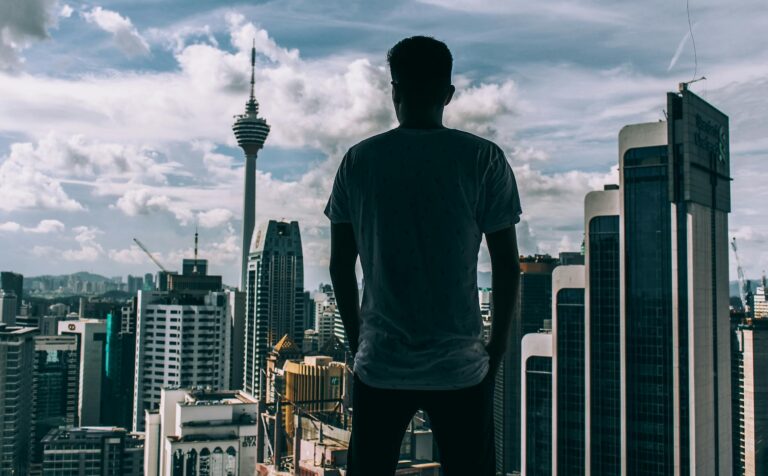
{"points": [[397, 96], [449, 96]]}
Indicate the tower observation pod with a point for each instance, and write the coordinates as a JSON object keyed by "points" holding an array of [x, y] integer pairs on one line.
{"points": [[250, 131]]}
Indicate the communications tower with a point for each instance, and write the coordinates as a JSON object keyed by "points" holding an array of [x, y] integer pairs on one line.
{"points": [[250, 131]]}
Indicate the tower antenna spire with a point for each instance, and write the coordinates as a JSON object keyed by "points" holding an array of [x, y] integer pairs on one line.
{"points": [[194, 268], [253, 69]]}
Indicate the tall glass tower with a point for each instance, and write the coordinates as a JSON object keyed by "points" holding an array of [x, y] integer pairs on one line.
{"points": [[274, 298], [250, 131], [675, 199]]}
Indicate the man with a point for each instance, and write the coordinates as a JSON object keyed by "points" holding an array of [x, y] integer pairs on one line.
{"points": [[414, 203]]}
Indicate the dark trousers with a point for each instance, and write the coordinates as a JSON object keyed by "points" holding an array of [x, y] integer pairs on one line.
{"points": [[461, 422]]}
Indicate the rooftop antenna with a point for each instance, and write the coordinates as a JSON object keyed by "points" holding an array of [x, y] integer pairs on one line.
{"points": [[684, 85], [194, 268]]}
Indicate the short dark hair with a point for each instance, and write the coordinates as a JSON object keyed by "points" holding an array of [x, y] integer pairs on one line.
{"points": [[420, 63]]}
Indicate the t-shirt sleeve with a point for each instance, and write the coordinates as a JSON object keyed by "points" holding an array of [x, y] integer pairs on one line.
{"points": [[337, 209], [499, 201]]}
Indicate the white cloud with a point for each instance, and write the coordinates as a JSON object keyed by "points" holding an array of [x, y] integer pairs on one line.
{"points": [[66, 11], [125, 35], [90, 250], [21, 24], [44, 226], [143, 201], [132, 255], [214, 218]]}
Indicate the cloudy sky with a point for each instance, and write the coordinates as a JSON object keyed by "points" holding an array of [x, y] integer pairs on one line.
{"points": [[115, 116]]}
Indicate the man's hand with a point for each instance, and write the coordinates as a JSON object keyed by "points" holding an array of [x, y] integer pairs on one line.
{"points": [[495, 354], [505, 276]]}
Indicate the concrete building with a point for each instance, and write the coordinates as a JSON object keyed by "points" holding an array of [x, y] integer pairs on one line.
{"points": [[275, 297], [602, 336], [55, 384], [17, 354], [182, 340], [751, 424], [760, 303], [13, 283], [568, 375], [251, 132], [91, 342], [119, 363], [8, 301], [533, 313], [203, 433], [536, 404], [92, 451], [675, 199]]}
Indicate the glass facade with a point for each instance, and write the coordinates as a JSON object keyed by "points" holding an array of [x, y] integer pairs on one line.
{"points": [[605, 340], [570, 381], [538, 398], [648, 311]]}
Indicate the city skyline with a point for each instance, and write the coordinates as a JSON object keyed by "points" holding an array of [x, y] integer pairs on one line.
{"points": [[134, 132]]}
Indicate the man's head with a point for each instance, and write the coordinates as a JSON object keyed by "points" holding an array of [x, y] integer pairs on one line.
{"points": [[421, 72]]}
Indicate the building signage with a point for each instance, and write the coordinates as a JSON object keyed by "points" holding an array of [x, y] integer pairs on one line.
{"points": [[711, 137]]}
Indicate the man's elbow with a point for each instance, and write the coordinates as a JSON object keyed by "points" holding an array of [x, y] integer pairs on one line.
{"points": [[340, 267]]}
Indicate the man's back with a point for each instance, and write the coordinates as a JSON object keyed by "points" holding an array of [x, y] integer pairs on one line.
{"points": [[419, 201]]}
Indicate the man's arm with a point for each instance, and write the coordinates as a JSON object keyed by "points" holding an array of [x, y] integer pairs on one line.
{"points": [[505, 275], [342, 269]]}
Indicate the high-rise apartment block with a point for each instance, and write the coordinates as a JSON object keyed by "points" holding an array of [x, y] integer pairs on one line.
{"points": [[750, 424], [55, 387], [182, 340], [17, 355], [275, 297], [11, 282], [91, 342]]}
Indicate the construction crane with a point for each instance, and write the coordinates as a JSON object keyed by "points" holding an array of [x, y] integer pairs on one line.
{"points": [[144, 248], [740, 273]]}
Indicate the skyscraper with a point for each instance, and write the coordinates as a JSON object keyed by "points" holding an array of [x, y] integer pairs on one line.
{"points": [[13, 282], [17, 354], [8, 307], [751, 398], [533, 311], [182, 340], [602, 335], [536, 404], [675, 199], [568, 376], [55, 386], [91, 342], [275, 297], [250, 131]]}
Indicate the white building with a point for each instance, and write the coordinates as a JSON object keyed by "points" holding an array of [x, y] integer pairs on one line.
{"points": [[91, 340], [182, 340], [536, 404], [203, 433], [760, 306]]}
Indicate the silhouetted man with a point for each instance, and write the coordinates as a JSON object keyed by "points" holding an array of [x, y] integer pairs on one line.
{"points": [[414, 202]]}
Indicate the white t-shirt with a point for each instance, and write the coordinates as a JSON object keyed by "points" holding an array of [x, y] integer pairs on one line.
{"points": [[418, 201]]}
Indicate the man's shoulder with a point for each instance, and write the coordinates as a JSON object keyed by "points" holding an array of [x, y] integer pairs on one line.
{"points": [[463, 137]]}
